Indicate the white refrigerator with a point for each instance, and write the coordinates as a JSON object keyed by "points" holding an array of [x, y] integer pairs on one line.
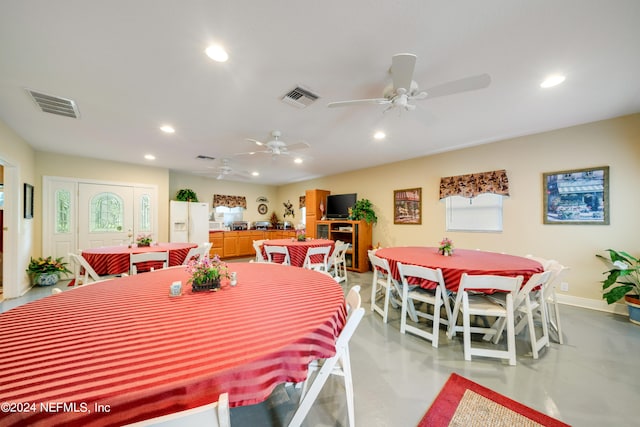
{"points": [[189, 222]]}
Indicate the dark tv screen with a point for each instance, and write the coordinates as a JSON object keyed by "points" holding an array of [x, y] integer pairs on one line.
{"points": [[338, 205]]}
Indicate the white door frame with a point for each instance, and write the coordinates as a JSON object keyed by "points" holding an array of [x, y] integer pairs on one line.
{"points": [[12, 230]]}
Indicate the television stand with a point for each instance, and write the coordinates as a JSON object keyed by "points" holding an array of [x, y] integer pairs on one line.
{"points": [[357, 233]]}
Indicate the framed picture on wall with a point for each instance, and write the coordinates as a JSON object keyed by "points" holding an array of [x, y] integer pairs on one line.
{"points": [[28, 201], [407, 206], [579, 196]]}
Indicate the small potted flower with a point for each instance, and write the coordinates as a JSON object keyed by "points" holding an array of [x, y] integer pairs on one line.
{"points": [[446, 247], [143, 240], [206, 273], [46, 271]]}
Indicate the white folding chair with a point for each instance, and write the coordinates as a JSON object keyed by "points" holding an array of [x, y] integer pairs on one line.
{"points": [[558, 272], [337, 263], [381, 282], [470, 302], [134, 259], [437, 298], [339, 364], [282, 250], [257, 246], [212, 415], [79, 263], [527, 303], [322, 251], [199, 252]]}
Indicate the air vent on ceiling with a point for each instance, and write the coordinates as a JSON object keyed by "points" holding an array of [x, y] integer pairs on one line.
{"points": [[55, 104], [300, 97], [203, 157]]}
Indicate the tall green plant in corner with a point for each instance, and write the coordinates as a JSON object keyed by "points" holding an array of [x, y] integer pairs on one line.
{"points": [[363, 209], [623, 276]]}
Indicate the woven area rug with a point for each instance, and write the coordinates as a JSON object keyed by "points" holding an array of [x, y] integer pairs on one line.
{"points": [[463, 403]]}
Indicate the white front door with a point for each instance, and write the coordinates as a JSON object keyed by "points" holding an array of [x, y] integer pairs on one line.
{"points": [[105, 215]]}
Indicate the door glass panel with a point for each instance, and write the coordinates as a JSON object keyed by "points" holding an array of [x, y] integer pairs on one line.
{"points": [[107, 213], [63, 211]]}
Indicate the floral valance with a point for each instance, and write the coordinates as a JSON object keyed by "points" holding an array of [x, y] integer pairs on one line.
{"points": [[471, 185], [229, 201], [302, 202]]}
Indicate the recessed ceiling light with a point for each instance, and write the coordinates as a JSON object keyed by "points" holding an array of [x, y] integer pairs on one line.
{"points": [[255, 173], [551, 81], [149, 157], [379, 135], [167, 129], [217, 53], [297, 160]]}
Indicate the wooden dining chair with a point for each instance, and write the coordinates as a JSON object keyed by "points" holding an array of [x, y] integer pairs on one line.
{"points": [[199, 252], [160, 256], [282, 250], [471, 301], [212, 415], [437, 298], [339, 364], [337, 263], [80, 263], [322, 251], [381, 283], [257, 247]]}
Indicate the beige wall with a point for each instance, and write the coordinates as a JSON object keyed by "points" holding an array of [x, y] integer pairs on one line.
{"points": [[17, 156], [615, 143], [205, 188]]}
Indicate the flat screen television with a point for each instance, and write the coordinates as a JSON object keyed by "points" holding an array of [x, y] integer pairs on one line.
{"points": [[338, 205]]}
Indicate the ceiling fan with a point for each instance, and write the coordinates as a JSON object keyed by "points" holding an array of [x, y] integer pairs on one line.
{"points": [[404, 89], [223, 171], [276, 146]]}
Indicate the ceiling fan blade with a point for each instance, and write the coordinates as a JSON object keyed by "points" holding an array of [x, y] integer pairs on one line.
{"points": [[379, 101], [402, 66], [480, 81], [298, 146], [256, 141]]}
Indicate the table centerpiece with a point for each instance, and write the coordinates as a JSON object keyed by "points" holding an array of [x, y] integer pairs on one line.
{"points": [[446, 247], [206, 273], [143, 240]]}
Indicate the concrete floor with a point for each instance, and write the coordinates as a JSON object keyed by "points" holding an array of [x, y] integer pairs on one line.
{"points": [[591, 380]]}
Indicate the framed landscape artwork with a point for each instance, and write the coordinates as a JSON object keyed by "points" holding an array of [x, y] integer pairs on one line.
{"points": [[407, 206], [579, 196]]}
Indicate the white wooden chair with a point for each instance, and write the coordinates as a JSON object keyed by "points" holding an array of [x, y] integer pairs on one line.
{"points": [[470, 302], [199, 252], [337, 263], [317, 251], [558, 272], [437, 298], [79, 263], [381, 283], [257, 246], [134, 259], [339, 364], [212, 415], [271, 250]]}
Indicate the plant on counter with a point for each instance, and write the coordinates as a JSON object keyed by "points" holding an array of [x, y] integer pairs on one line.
{"points": [[274, 220], [207, 270], [623, 276], [143, 239], [48, 265], [186, 195], [446, 246], [363, 209]]}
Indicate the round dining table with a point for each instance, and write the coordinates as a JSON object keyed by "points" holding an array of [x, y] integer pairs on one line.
{"points": [[297, 249], [473, 262], [123, 350], [111, 260]]}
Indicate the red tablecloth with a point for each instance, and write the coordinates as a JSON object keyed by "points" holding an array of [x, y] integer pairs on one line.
{"points": [[115, 259], [461, 261], [127, 344], [298, 250]]}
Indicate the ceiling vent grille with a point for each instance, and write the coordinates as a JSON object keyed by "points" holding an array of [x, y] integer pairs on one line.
{"points": [[300, 97], [55, 104]]}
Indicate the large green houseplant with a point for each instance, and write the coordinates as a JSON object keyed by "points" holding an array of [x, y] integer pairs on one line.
{"points": [[46, 271], [363, 209], [623, 281], [186, 195]]}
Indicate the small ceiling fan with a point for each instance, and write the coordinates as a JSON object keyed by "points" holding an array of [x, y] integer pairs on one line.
{"points": [[275, 146], [404, 89], [223, 171]]}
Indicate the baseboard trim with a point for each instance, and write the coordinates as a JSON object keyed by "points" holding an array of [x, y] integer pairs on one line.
{"points": [[600, 305]]}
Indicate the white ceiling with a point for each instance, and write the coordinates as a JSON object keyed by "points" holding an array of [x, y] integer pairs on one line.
{"points": [[132, 66]]}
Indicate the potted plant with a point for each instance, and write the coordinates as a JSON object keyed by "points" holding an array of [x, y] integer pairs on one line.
{"points": [[623, 281], [206, 273], [446, 246], [363, 209], [46, 271], [186, 195], [143, 240]]}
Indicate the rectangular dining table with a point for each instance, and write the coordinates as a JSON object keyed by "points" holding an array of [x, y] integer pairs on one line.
{"points": [[123, 350]]}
